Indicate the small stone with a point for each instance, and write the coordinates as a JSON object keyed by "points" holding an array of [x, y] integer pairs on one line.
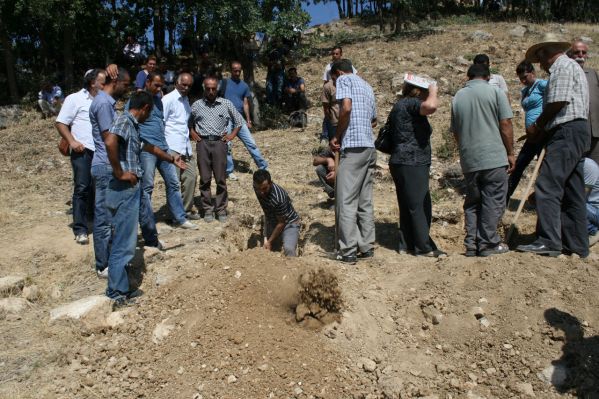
{"points": [[162, 330], [13, 305], [525, 388], [263, 367], [491, 370], [11, 285], [483, 301], [180, 371], [82, 308], [481, 35], [462, 61], [454, 382], [478, 312], [298, 391], [197, 395], [368, 364], [237, 274], [507, 346], [518, 31], [231, 379], [301, 311], [484, 322], [31, 293], [555, 375]]}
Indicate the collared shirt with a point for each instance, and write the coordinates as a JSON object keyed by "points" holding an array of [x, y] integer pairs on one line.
{"points": [[277, 204], [152, 130], [567, 83], [50, 95], [126, 127], [498, 81], [176, 111], [101, 116], [212, 119], [140, 79], [327, 72], [532, 101], [475, 114], [363, 111], [75, 114]]}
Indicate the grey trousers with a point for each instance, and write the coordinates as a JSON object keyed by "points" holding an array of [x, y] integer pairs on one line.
{"points": [[322, 172], [288, 238], [560, 195], [353, 205], [484, 206], [188, 179], [212, 159]]}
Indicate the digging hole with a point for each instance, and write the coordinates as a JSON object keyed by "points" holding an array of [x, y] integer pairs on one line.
{"points": [[319, 299]]}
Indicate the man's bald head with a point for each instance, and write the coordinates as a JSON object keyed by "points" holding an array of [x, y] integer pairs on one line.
{"points": [[183, 83], [579, 52]]}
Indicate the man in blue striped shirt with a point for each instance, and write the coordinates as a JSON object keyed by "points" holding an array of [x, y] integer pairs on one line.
{"points": [[282, 221]]}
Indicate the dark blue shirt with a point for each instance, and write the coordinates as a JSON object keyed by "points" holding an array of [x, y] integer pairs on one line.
{"points": [[235, 92], [294, 85], [152, 130], [101, 116]]}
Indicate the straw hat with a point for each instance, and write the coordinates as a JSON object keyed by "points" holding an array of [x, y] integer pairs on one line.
{"points": [[549, 40]]}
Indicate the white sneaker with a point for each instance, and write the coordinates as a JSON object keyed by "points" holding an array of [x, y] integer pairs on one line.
{"points": [[188, 226], [102, 274], [82, 239], [232, 177]]}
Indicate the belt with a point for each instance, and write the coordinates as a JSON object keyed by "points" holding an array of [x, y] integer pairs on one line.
{"points": [[212, 138]]}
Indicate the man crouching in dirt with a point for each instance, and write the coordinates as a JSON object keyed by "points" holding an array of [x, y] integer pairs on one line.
{"points": [[282, 221], [123, 195]]}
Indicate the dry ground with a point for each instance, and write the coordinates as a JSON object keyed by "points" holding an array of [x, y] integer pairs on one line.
{"points": [[229, 309]]}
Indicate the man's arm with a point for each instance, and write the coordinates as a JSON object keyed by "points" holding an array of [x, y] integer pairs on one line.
{"points": [[276, 232], [237, 122], [156, 151], [65, 133], [111, 141], [193, 134], [344, 114], [535, 131], [507, 136], [246, 111]]}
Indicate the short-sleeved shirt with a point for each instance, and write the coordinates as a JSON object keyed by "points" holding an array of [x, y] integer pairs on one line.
{"points": [[327, 72], [498, 81], [176, 111], [591, 180], [476, 111], [567, 82], [277, 205], [152, 130], [75, 114], [411, 134], [294, 85], [50, 96], [101, 116], [236, 92], [363, 111], [329, 98], [140, 79], [212, 119], [125, 126], [532, 101]]}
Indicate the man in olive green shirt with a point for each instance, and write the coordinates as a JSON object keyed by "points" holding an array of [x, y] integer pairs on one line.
{"points": [[481, 122]]}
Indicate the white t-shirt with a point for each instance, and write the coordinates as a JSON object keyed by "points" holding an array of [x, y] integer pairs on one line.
{"points": [[75, 114], [499, 82], [327, 72], [591, 180]]}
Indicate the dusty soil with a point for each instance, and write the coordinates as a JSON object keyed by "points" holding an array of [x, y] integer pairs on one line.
{"points": [[217, 319]]}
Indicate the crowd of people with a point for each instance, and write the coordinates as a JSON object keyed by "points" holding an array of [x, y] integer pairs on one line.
{"points": [[114, 156]]}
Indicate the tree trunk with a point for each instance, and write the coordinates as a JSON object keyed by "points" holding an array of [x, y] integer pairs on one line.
{"points": [[340, 9], [67, 43], [9, 62], [158, 29], [350, 13]]}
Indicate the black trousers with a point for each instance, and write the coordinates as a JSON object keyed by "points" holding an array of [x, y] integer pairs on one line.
{"points": [[415, 207], [560, 195]]}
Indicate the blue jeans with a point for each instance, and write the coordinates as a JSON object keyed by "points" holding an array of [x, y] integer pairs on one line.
{"points": [[328, 129], [168, 171], [123, 201], [83, 192], [592, 219], [250, 144], [101, 175]]}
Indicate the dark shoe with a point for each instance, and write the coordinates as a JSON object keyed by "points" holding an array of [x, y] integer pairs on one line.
{"points": [[437, 253], [222, 218], [593, 239], [122, 302], [192, 216], [366, 255], [500, 248], [350, 259], [208, 218], [471, 253], [539, 249]]}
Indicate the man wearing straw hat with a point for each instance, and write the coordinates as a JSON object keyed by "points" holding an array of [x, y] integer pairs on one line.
{"points": [[563, 127]]}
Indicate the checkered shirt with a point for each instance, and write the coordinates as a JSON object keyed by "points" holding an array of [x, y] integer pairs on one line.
{"points": [[126, 127], [363, 111], [212, 119], [567, 82]]}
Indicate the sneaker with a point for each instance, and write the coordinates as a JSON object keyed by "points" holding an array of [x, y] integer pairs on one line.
{"points": [[232, 177], [122, 302], [349, 259], [501, 248], [470, 253], [102, 273], [593, 239], [366, 255], [222, 218], [192, 216], [437, 253], [82, 239], [187, 225], [208, 218]]}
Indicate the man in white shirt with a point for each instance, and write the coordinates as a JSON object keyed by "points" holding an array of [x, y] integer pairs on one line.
{"points": [[176, 111], [74, 126]]}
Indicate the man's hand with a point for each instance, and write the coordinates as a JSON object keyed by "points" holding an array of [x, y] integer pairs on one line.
{"points": [[228, 137], [511, 159], [334, 144], [533, 133], [180, 163], [249, 124], [194, 136], [267, 245], [76, 146], [113, 71], [128, 176], [330, 176]]}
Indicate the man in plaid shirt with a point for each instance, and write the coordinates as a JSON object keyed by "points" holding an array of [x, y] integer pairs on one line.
{"points": [[563, 127], [355, 141], [123, 196]]}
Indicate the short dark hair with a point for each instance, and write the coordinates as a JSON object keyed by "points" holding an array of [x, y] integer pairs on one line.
{"points": [[140, 99], [89, 79], [152, 75], [343, 65], [261, 175], [292, 69], [525, 67], [481, 59], [337, 48], [121, 75], [478, 71]]}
